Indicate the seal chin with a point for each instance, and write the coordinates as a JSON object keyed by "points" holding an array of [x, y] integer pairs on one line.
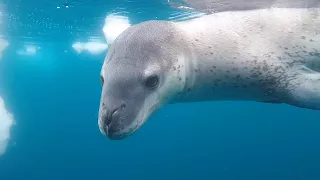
{"points": [[112, 134], [117, 136], [119, 123], [114, 130]]}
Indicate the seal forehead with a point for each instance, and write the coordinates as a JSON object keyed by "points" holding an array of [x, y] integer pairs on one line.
{"points": [[144, 43]]}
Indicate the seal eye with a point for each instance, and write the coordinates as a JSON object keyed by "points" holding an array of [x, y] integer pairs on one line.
{"points": [[101, 80], [152, 81]]}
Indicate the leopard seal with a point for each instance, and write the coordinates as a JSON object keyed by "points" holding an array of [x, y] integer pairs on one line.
{"points": [[266, 55]]}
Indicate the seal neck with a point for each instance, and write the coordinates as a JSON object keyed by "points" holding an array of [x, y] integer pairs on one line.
{"points": [[187, 78], [210, 47]]}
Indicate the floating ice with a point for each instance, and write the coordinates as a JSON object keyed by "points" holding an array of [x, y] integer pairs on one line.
{"points": [[6, 122]]}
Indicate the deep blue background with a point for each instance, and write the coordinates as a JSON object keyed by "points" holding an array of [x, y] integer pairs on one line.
{"points": [[54, 96]]}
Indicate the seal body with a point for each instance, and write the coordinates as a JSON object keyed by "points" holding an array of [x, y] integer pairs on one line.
{"points": [[266, 55], [210, 6], [270, 55]]}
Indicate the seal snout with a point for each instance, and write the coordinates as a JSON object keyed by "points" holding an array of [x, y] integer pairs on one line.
{"points": [[109, 120]]}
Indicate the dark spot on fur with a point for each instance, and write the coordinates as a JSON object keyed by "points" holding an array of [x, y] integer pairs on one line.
{"points": [[265, 68], [303, 37], [314, 54]]}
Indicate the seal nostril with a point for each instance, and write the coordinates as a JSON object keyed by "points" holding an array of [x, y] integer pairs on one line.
{"points": [[123, 105], [105, 129], [109, 117]]}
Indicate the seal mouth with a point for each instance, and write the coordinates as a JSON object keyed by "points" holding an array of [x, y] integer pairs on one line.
{"points": [[107, 122], [123, 135]]}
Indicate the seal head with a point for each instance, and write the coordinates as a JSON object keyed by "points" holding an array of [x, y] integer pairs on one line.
{"points": [[139, 76]]}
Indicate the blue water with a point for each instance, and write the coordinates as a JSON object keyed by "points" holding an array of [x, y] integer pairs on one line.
{"points": [[54, 93]]}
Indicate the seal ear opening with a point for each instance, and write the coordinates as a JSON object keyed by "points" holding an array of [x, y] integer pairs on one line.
{"points": [[101, 80]]}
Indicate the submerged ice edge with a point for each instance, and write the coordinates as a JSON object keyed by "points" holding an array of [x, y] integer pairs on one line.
{"points": [[6, 122], [6, 118], [3, 45], [114, 25]]}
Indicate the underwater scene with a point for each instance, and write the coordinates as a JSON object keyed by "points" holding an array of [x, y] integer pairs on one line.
{"points": [[159, 90]]}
